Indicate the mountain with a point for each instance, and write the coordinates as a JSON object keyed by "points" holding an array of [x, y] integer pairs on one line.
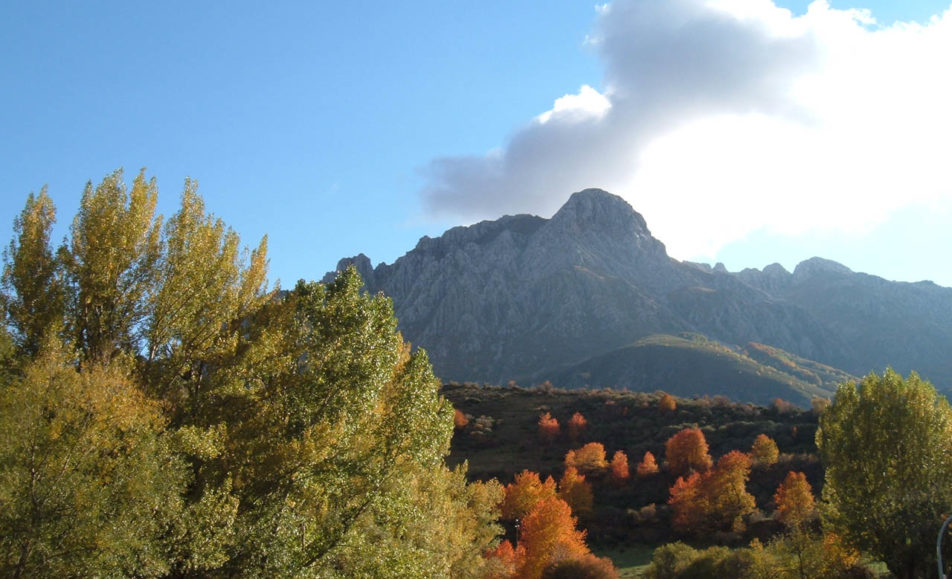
{"points": [[526, 298]]}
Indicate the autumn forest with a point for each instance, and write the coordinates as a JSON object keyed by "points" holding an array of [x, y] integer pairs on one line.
{"points": [[167, 412]]}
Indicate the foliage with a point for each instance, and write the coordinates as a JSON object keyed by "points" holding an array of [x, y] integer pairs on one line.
{"points": [[798, 555], [648, 466], [587, 567], [32, 279], [524, 493], [887, 447], [667, 403], [715, 500], [794, 499], [687, 451], [459, 420], [548, 535], [577, 425], [548, 428], [574, 490], [618, 467], [182, 419], [764, 451], [88, 484], [588, 459]]}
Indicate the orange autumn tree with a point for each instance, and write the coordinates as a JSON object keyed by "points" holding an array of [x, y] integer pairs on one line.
{"points": [[714, 500], [648, 466], [764, 451], [548, 428], [459, 420], [577, 425], [686, 451], [575, 490], [588, 459], [689, 503], [504, 561], [794, 498], [523, 493], [618, 468], [548, 535], [667, 403]]}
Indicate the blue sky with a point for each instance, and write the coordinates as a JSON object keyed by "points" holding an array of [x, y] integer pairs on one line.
{"points": [[359, 127]]}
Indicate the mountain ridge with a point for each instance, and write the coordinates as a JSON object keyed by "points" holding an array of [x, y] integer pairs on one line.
{"points": [[524, 297]]}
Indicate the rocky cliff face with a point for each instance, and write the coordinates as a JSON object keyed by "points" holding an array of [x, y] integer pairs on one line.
{"points": [[524, 297]]}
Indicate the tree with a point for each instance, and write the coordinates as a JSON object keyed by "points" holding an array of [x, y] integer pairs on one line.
{"points": [[714, 500], [548, 535], [794, 499], [619, 467], [726, 488], [667, 403], [548, 428], [588, 459], [89, 484], [577, 425], [32, 276], [686, 451], [648, 466], [524, 492], [689, 503], [195, 423], [459, 420], [111, 264], [886, 445], [575, 490], [764, 451], [504, 561]]}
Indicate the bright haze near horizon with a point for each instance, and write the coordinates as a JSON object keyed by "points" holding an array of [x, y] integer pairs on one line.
{"points": [[745, 131]]}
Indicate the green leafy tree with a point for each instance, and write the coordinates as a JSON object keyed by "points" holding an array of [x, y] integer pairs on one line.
{"points": [[110, 264], [32, 278], [269, 435], [88, 485], [887, 448]]}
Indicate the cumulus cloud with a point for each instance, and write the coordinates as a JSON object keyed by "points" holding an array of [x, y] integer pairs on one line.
{"points": [[717, 118]]}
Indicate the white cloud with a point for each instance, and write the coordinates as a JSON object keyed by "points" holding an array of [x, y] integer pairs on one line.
{"points": [[588, 104], [722, 117]]}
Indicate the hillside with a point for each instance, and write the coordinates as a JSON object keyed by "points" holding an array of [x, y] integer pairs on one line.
{"points": [[531, 299], [501, 439], [691, 365]]}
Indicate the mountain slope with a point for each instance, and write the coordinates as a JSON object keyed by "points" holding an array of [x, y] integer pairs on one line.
{"points": [[524, 296]]}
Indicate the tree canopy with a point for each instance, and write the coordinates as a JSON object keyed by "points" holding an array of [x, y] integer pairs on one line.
{"points": [[887, 447], [170, 414]]}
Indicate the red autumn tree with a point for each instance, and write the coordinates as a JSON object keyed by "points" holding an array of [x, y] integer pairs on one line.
{"points": [[764, 451], [524, 492], [588, 459], [714, 500], [504, 561], [794, 498], [689, 503], [548, 428], [667, 403], [575, 490], [459, 420], [687, 451], [648, 466], [577, 425], [726, 488], [548, 535], [618, 468]]}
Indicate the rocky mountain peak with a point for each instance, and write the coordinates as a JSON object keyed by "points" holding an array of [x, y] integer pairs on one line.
{"points": [[598, 209], [819, 266]]}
